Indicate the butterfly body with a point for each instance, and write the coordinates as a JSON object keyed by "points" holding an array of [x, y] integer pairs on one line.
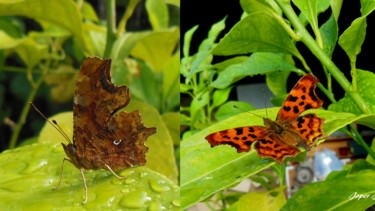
{"points": [[282, 137]]}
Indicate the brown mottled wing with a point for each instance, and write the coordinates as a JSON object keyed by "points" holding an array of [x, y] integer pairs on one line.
{"points": [[271, 147], [102, 135], [310, 127], [300, 98], [240, 138]]}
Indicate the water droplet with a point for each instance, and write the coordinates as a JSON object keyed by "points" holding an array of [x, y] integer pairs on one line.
{"points": [[125, 191], [126, 173], [135, 199], [155, 206], [159, 186], [176, 202], [143, 174], [208, 178], [35, 166], [14, 166], [117, 181], [129, 181]]}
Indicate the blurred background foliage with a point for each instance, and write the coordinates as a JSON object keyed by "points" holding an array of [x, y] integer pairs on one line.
{"points": [[42, 48]]}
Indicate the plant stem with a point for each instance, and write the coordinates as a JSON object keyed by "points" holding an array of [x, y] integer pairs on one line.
{"points": [[358, 138], [111, 27], [321, 55], [26, 108], [14, 69]]}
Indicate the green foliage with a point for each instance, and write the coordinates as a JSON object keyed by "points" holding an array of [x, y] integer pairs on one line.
{"points": [[65, 32], [206, 177], [31, 181], [266, 37], [338, 191], [40, 53], [365, 88]]}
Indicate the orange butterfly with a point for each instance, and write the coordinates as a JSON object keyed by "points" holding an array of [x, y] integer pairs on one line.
{"points": [[280, 138]]}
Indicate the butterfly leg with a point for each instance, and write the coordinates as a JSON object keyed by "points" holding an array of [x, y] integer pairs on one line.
{"points": [[109, 168], [62, 171], [84, 184]]}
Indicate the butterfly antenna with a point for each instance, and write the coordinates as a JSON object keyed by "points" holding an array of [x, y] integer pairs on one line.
{"points": [[265, 101], [235, 106], [53, 123]]}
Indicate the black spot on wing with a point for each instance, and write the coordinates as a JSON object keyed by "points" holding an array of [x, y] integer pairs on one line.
{"points": [[264, 141], [308, 106], [292, 98], [295, 109], [239, 131], [287, 108], [252, 135]]}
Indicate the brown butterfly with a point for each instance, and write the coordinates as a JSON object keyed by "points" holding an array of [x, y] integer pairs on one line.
{"points": [[282, 137], [104, 137]]}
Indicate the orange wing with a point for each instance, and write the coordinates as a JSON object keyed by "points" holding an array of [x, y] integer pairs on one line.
{"points": [[310, 127], [240, 138], [300, 98], [272, 147]]}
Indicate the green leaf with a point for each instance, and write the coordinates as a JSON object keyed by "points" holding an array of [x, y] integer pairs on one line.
{"points": [[369, 158], [95, 37], [365, 89], [277, 82], [146, 87], [61, 12], [221, 167], [171, 121], [30, 173], [129, 11], [310, 9], [253, 6], [89, 12], [336, 8], [171, 79], [264, 200], [123, 46], [204, 57], [329, 31], [31, 52], [7, 41], [353, 37], [228, 62], [257, 63], [338, 192], [367, 7], [157, 14], [160, 156], [187, 41], [62, 82], [258, 32], [220, 96], [173, 2], [227, 109], [157, 47], [197, 104], [12, 26]]}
